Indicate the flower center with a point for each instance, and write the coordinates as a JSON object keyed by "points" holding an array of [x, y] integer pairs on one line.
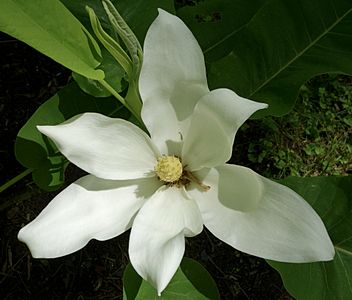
{"points": [[169, 168]]}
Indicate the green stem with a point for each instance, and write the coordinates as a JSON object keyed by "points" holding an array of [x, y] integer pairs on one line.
{"points": [[113, 92], [132, 98], [121, 99], [15, 179]]}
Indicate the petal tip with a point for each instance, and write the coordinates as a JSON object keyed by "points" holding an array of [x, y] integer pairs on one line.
{"points": [[162, 12], [160, 287], [23, 237], [330, 252], [260, 105], [43, 128], [20, 234], [165, 17]]}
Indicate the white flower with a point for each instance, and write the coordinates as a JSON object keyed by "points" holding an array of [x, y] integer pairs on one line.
{"points": [[168, 185]]}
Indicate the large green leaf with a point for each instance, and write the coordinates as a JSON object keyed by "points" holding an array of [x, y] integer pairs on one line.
{"points": [[191, 282], [215, 23], [273, 46], [51, 29], [37, 152], [331, 198], [78, 9]]}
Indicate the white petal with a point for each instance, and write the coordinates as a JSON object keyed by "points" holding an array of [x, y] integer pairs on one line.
{"points": [[215, 121], [237, 187], [172, 80], [283, 227], [157, 237], [90, 208], [105, 147]]}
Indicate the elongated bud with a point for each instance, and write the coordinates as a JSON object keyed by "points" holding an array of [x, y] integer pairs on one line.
{"points": [[109, 43], [126, 34]]}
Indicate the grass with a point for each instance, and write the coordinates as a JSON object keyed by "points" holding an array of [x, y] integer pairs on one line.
{"points": [[315, 139]]}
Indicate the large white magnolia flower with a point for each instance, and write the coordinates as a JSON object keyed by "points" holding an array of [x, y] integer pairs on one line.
{"points": [[168, 185]]}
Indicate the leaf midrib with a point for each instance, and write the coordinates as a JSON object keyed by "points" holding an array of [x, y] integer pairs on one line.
{"points": [[302, 52], [344, 251], [232, 33]]}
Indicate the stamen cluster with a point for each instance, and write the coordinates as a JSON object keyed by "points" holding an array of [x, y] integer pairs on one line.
{"points": [[169, 168]]}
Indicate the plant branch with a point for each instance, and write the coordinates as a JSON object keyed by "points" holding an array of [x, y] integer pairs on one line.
{"points": [[15, 179]]}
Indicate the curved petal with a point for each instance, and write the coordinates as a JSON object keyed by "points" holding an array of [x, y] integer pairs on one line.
{"points": [[90, 208], [237, 188], [215, 121], [157, 237], [172, 79], [105, 147], [283, 227]]}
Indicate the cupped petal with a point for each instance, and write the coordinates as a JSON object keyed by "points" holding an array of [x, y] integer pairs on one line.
{"points": [[90, 208], [157, 237], [283, 226], [237, 188], [172, 79], [105, 147], [215, 121]]}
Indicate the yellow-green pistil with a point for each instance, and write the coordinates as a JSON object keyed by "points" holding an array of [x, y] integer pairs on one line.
{"points": [[169, 168]]}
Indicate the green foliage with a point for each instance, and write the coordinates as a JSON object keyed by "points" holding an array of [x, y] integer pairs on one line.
{"points": [[215, 23], [114, 76], [191, 281], [314, 139], [331, 198], [37, 152], [267, 49], [137, 15], [51, 29]]}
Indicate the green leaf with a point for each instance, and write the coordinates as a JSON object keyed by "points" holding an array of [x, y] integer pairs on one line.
{"points": [[51, 29], [272, 46], [114, 76], [215, 23], [131, 283], [191, 281], [78, 9], [331, 198], [199, 277], [35, 151]]}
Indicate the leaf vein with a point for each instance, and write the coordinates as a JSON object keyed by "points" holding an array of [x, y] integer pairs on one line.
{"points": [[346, 273], [233, 32], [302, 52]]}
